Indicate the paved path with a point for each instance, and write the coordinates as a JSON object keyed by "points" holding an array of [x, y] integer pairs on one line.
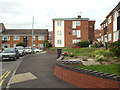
{"points": [[37, 71], [7, 68]]}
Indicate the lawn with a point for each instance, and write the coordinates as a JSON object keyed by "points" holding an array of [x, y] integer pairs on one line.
{"points": [[111, 69], [77, 51]]}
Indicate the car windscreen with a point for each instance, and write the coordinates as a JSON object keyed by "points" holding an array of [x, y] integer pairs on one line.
{"points": [[8, 51], [19, 48]]}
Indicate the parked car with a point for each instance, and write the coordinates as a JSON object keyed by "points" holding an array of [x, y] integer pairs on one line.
{"points": [[9, 54], [0, 50], [28, 50], [36, 50], [21, 50]]}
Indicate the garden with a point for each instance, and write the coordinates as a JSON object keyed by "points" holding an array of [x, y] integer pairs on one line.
{"points": [[95, 57]]}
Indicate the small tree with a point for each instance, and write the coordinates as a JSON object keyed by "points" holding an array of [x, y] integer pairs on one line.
{"points": [[21, 44], [45, 44]]}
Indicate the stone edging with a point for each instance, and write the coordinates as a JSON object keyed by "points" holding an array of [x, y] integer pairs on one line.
{"points": [[63, 65]]}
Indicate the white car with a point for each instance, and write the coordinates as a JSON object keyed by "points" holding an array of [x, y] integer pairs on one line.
{"points": [[28, 50], [37, 50], [21, 50]]}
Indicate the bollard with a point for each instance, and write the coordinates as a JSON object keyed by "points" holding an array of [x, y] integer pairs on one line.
{"points": [[59, 52]]}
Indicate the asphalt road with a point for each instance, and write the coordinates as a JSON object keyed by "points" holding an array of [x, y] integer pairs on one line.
{"points": [[7, 68], [42, 67]]}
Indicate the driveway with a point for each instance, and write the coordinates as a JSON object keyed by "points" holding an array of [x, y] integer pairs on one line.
{"points": [[37, 71]]}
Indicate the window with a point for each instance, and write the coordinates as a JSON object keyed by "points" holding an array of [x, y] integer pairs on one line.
{"points": [[109, 20], [115, 36], [90, 26], [5, 45], [77, 23], [6, 37], [101, 38], [59, 23], [14, 45], [40, 45], [33, 44], [76, 41], [16, 37], [41, 37], [33, 37], [78, 34], [74, 24], [58, 32], [74, 32], [58, 41], [109, 37]]}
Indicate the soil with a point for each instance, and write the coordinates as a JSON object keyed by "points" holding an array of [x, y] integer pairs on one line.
{"points": [[88, 60]]}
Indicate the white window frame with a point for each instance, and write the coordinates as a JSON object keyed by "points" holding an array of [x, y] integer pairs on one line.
{"points": [[6, 36], [33, 37], [115, 35], [78, 23], [40, 45], [59, 23], [74, 24], [3, 45], [14, 45], [109, 19], [41, 37], [59, 32], [74, 32], [109, 37], [78, 33], [16, 37], [59, 42]]}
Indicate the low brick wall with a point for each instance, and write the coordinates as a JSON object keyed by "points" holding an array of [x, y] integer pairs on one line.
{"points": [[76, 77], [50, 51]]}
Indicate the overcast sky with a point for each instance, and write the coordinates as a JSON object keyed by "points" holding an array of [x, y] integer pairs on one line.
{"points": [[17, 14]]}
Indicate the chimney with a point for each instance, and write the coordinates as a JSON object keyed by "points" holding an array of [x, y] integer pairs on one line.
{"points": [[79, 16]]}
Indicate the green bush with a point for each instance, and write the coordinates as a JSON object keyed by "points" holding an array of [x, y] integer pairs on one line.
{"points": [[97, 44], [83, 44], [114, 47], [71, 54], [21, 44]]}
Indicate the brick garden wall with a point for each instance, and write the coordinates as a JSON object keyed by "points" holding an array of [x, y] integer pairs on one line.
{"points": [[83, 80]]}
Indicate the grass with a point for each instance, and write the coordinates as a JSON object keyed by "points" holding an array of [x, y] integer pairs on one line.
{"points": [[111, 69], [77, 51]]}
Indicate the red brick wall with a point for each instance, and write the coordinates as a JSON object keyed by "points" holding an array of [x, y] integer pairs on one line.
{"points": [[53, 34], [91, 31], [36, 41], [110, 28], [68, 37], [83, 80]]}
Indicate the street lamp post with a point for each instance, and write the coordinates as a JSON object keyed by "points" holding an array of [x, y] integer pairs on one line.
{"points": [[32, 29]]}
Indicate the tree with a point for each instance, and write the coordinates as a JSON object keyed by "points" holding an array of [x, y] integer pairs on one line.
{"points": [[45, 44], [21, 44]]}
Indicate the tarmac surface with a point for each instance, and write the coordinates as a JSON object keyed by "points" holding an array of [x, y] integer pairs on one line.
{"points": [[37, 71]]}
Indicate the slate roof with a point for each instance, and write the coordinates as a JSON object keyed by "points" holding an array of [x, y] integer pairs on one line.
{"points": [[24, 31], [70, 19]]}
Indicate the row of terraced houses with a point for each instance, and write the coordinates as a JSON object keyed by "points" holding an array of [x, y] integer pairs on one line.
{"points": [[66, 31]]}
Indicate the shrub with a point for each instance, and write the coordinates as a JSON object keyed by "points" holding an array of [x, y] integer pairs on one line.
{"points": [[71, 54], [114, 47], [66, 53], [21, 44], [97, 44], [45, 44], [83, 44]]}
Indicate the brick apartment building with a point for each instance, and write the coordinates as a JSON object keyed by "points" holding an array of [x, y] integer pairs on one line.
{"points": [[11, 37], [97, 35], [2, 28], [67, 31], [110, 27]]}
